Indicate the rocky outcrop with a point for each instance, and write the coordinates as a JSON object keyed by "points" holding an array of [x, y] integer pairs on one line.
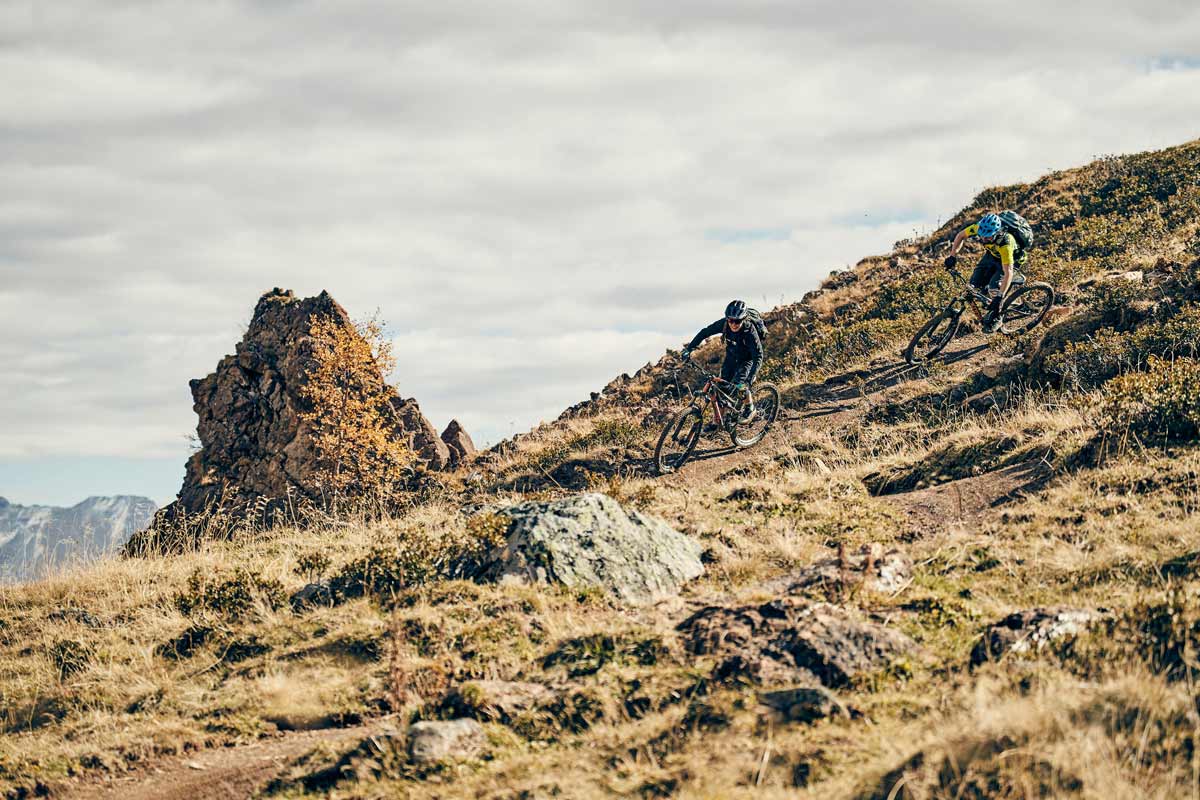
{"points": [[33, 538], [1032, 630], [255, 444], [590, 541], [456, 438], [790, 640]]}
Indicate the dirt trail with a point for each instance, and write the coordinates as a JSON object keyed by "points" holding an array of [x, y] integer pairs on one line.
{"points": [[218, 774], [847, 397]]}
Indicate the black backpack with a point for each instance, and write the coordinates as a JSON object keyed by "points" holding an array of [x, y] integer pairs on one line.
{"points": [[759, 324], [1021, 230]]}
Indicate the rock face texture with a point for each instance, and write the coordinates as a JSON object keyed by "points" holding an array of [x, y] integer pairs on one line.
{"points": [[788, 640], [36, 537], [1032, 630], [433, 741], [462, 449], [590, 541], [254, 443]]}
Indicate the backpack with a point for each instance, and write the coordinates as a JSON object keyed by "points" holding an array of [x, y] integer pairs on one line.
{"points": [[759, 324], [1021, 230]]}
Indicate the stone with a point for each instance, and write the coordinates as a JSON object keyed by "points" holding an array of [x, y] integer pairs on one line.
{"points": [[459, 443], [789, 638], [994, 370], [434, 741], [588, 541], [499, 701], [871, 568], [987, 400], [804, 704], [1032, 630], [255, 447], [311, 595]]}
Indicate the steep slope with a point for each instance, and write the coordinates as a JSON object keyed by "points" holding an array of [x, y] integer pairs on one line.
{"points": [[33, 538], [975, 578]]}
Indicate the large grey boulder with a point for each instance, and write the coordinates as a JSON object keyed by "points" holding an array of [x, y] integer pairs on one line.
{"points": [[590, 541], [433, 741]]}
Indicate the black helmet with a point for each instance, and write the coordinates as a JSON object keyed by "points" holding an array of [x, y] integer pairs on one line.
{"points": [[735, 310]]}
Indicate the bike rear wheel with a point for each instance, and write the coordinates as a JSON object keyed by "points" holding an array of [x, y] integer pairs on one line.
{"points": [[766, 407], [678, 439], [934, 337], [1025, 308]]}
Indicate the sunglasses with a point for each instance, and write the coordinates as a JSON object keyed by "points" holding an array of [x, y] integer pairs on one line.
{"points": [[734, 322]]}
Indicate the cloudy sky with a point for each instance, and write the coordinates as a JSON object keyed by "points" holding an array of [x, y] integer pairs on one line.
{"points": [[536, 196]]}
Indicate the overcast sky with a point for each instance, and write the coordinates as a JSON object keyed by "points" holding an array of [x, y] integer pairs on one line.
{"points": [[536, 196]]}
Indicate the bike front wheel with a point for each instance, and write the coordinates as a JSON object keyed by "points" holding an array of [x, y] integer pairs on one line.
{"points": [[678, 439], [1025, 308], [934, 336], [766, 409]]}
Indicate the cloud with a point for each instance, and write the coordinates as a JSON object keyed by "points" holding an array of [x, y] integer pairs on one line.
{"points": [[536, 196]]}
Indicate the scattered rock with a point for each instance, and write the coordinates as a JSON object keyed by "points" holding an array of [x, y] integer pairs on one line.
{"points": [[994, 370], [987, 400], [433, 741], [462, 449], [498, 701], [311, 595], [789, 639], [590, 541], [1133, 276], [1030, 631], [804, 704], [77, 615], [871, 569]]}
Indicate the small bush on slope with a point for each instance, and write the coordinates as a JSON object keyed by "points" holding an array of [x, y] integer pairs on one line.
{"points": [[1160, 404]]}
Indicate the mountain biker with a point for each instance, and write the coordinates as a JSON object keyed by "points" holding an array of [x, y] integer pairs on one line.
{"points": [[743, 350], [998, 269]]}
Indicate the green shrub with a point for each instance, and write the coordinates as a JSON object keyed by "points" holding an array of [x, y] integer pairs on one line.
{"points": [[924, 292], [1113, 296], [1088, 363], [841, 345], [386, 570], [1167, 634], [1162, 403], [233, 597]]}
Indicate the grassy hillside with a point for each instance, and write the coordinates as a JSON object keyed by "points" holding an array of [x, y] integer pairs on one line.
{"points": [[1058, 469]]}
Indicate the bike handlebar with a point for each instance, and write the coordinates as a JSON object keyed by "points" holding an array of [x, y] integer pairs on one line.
{"points": [[689, 360]]}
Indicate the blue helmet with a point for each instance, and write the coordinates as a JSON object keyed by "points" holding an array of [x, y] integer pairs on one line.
{"points": [[989, 226]]}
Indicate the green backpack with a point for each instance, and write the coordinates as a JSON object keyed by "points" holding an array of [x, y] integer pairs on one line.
{"points": [[1021, 230]]}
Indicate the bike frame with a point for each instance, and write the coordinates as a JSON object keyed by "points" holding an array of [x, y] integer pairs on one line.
{"points": [[711, 390], [970, 297]]}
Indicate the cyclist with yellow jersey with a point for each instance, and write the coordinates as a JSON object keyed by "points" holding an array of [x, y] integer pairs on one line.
{"points": [[1000, 266]]}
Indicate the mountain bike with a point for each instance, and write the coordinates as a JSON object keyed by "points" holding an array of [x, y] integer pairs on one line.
{"points": [[683, 431], [1025, 305]]}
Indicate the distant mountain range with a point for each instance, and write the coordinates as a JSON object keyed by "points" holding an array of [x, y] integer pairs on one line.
{"points": [[35, 537]]}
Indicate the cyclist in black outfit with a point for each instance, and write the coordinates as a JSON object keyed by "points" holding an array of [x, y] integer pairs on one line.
{"points": [[743, 350]]}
